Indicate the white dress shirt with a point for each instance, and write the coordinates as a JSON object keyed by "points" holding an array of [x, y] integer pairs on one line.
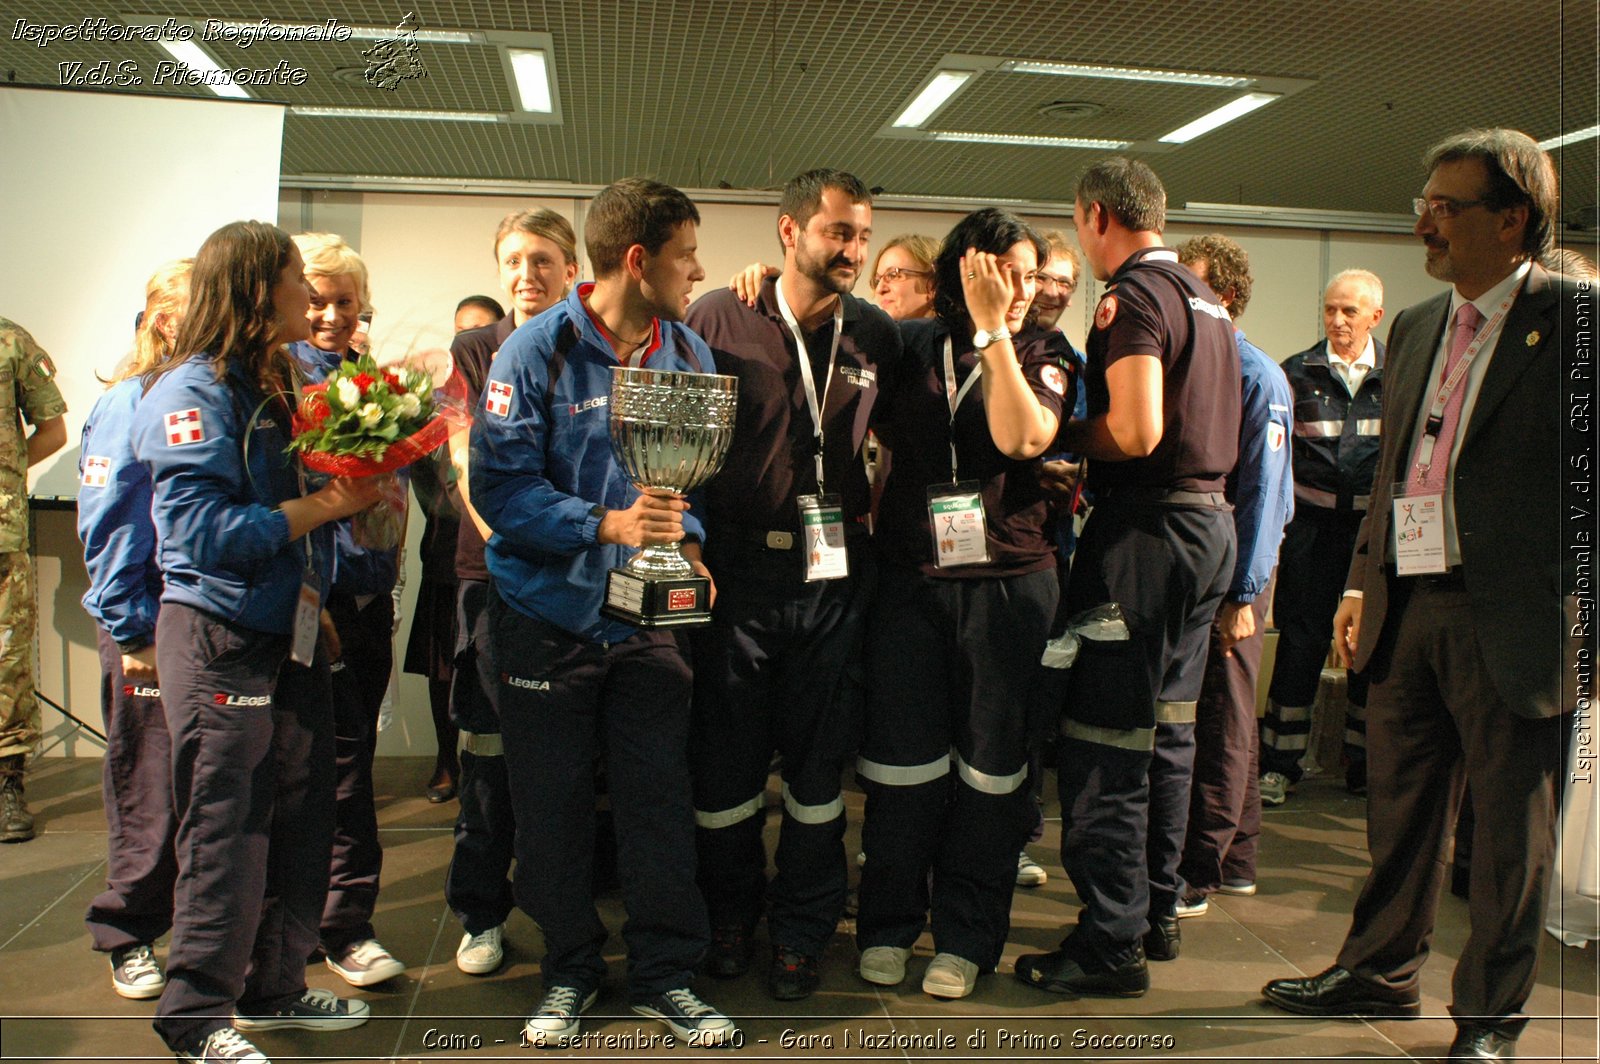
{"points": [[1351, 374]]}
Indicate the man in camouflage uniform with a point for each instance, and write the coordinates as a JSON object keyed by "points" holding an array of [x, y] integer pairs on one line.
{"points": [[27, 389]]}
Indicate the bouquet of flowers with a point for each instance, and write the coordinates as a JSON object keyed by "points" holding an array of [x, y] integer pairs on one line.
{"points": [[366, 420]]}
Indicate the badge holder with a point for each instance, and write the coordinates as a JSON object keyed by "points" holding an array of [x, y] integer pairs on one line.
{"points": [[822, 525], [1418, 532], [960, 530]]}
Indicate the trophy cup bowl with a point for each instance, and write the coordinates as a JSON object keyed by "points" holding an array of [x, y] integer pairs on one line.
{"points": [[669, 432]]}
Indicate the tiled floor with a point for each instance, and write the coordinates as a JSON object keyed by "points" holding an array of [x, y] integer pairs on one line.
{"points": [[56, 1001]]}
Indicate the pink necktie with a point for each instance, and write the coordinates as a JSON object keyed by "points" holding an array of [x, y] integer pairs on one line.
{"points": [[1467, 321]]}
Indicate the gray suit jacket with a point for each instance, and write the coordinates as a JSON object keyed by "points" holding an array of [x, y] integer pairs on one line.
{"points": [[1508, 492]]}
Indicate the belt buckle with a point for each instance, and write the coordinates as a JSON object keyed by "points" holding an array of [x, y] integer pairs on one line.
{"points": [[780, 540]]}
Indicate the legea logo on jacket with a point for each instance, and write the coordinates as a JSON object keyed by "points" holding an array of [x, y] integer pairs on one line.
{"points": [[524, 683], [133, 690], [588, 404], [241, 700]]}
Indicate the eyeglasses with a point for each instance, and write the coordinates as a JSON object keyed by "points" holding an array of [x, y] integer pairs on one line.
{"points": [[1048, 281], [1443, 206], [896, 273]]}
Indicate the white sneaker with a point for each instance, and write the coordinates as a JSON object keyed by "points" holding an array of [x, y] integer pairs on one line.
{"points": [[884, 965], [555, 1021], [1029, 872], [135, 973], [482, 953], [365, 963], [949, 976]]}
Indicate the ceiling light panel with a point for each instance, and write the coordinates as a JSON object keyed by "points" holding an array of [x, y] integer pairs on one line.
{"points": [[934, 95], [1211, 120]]}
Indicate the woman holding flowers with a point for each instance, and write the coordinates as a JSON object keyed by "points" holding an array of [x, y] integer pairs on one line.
{"points": [[361, 608], [245, 557]]}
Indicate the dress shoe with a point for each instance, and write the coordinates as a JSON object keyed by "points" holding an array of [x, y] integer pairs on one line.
{"points": [[1481, 1043], [1161, 942], [729, 955], [442, 791], [1337, 992], [793, 975], [1060, 972]]}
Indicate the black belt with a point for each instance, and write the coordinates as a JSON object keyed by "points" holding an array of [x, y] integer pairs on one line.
{"points": [[1452, 579], [1158, 495], [781, 539]]}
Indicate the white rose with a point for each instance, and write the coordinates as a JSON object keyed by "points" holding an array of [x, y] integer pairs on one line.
{"points": [[370, 415], [349, 394], [410, 405]]}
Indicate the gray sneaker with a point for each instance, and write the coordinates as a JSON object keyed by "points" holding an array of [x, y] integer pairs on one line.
{"points": [[223, 1047], [365, 963], [135, 973], [1274, 788]]}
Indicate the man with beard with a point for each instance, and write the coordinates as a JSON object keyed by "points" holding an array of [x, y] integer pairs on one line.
{"points": [[777, 669]]}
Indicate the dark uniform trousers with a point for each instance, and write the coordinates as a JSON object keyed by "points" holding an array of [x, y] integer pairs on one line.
{"points": [[1312, 564], [1437, 721], [253, 790], [477, 886], [136, 782], [1125, 783], [1225, 798], [952, 715], [563, 700], [778, 669], [359, 678]]}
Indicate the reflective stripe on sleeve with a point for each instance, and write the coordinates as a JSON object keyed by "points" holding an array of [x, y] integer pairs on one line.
{"points": [[726, 818], [1318, 429], [1368, 426], [988, 784], [902, 775], [826, 813]]}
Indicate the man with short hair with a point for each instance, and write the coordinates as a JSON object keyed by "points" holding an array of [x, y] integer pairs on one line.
{"points": [[778, 668], [1058, 280], [1219, 846], [1461, 602], [574, 684], [34, 396], [1338, 409], [1161, 435]]}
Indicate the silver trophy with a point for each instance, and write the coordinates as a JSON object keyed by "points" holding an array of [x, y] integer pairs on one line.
{"points": [[670, 433]]}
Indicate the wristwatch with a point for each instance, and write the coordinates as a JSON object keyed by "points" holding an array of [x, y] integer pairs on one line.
{"points": [[983, 337]]}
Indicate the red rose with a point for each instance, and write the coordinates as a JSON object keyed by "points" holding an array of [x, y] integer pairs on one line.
{"points": [[362, 381], [396, 385]]}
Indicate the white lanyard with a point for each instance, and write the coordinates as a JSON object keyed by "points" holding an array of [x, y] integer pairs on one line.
{"points": [[1435, 422], [954, 397], [806, 376]]}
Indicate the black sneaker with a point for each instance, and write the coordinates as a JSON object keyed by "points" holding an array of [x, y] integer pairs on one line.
{"points": [[793, 975], [692, 1020], [1061, 972], [314, 1010], [224, 1045], [729, 955], [1164, 939], [555, 1022], [135, 973]]}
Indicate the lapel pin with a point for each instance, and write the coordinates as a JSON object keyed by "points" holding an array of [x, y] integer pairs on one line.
{"points": [[1533, 338]]}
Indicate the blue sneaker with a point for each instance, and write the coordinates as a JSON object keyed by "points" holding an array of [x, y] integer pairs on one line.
{"points": [[555, 1022], [692, 1020]]}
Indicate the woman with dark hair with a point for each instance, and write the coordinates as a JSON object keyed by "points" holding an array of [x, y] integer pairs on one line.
{"points": [[245, 558], [966, 596]]}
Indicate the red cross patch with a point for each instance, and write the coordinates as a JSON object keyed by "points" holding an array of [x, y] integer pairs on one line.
{"points": [[183, 426], [1054, 379], [498, 400], [96, 471], [1106, 312]]}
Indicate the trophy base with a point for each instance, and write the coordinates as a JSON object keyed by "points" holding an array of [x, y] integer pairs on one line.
{"points": [[656, 601]]}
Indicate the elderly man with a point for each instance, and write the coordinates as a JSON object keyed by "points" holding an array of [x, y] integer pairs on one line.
{"points": [[1456, 601], [1338, 400]]}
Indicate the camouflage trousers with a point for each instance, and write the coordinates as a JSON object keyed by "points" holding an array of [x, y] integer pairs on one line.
{"points": [[19, 709]]}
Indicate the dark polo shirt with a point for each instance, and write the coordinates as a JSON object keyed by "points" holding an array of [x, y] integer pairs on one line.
{"points": [[1154, 306], [914, 423], [771, 461]]}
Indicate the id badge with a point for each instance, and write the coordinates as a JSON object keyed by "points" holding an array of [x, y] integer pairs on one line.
{"points": [[307, 621], [1418, 533], [822, 524], [960, 531]]}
